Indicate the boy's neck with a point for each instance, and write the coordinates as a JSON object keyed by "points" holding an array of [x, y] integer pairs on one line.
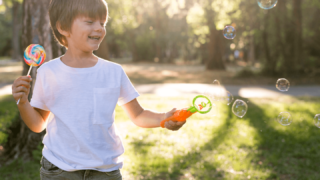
{"points": [[79, 59]]}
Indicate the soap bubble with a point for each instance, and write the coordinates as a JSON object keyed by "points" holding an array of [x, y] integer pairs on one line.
{"points": [[284, 118], [214, 93], [229, 32], [227, 97], [267, 4], [283, 84], [316, 120], [239, 108], [216, 83]]}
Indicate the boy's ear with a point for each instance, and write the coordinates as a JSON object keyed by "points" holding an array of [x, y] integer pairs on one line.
{"points": [[61, 31]]}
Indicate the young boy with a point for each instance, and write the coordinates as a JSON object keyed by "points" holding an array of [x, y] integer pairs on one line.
{"points": [[75, 96]]}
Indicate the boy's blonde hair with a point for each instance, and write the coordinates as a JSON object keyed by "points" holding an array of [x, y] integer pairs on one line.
{"points": [[65, 11]]}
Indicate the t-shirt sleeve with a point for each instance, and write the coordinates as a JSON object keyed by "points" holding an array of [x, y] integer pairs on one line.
{"points": [[37, 99], [127, 90]]}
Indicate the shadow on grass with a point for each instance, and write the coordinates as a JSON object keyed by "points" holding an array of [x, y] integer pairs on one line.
{"points": [[181, 163], [292, 153]]}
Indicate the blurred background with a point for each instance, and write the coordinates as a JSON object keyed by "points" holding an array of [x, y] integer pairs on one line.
{"points": [[283, 41], [168, 44]]}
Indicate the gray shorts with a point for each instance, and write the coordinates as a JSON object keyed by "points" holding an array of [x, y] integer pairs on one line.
{"points": [[49, 171]]}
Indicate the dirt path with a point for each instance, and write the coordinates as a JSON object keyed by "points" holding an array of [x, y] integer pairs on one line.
{"points": [[168, 80], [155, 73], [149, 73]]}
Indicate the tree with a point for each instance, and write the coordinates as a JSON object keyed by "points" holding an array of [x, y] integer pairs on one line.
{"points": [[36, 30], [16, 26], [215, 44], [207, 19]]}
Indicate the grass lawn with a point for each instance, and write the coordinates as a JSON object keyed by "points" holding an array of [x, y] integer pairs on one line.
{"points": [[208, 147]]}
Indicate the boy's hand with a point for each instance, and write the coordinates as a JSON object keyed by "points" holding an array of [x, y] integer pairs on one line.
{"points": [[21, 89], [173, 125]]}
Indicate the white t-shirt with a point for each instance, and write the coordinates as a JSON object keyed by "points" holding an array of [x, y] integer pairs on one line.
{"points": [[81, 133]]}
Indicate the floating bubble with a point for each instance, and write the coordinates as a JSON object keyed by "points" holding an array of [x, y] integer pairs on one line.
{"points": [[214, 93], [216, 83], [284, 118], [227, 97], [239, 108], [316, 120], [229, 32], [283, 84], [267, 4]]}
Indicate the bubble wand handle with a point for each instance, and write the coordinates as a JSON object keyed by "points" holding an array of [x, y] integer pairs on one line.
{"points": [[179, 115], [183, 114]]}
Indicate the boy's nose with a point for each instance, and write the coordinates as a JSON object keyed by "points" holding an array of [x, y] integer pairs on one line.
{"points": [[98, 27]]}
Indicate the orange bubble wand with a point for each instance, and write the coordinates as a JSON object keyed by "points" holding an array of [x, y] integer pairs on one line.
{"points": [[201, 104]]}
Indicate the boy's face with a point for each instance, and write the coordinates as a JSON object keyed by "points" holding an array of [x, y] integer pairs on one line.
{"points": [[86, 33]]}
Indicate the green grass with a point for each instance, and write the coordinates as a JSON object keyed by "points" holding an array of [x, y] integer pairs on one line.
{"points": [[220, 147]]}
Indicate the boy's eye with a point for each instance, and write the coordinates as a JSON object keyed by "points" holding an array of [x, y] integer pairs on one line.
{"points": [[90, 22]]}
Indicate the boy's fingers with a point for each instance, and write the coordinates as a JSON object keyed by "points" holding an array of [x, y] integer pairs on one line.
{"points": [[180, 123], [176, 123], [18, 95], [167, 125], [26, 78], [172, 123], [21, 82], [170, 126], [20, 89], [170, 113], [24, 83]]}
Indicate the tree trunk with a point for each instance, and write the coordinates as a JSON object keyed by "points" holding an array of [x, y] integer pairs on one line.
{"points": [[132, 38], [251, 54], [16, 26], [36, 30], [297, 16], [215, 44], [288, 66], [158, 29], [270, 66]]}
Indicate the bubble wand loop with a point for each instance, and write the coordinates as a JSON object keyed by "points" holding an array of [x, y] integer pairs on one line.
{"points": [[183, 114], [34, 55]]}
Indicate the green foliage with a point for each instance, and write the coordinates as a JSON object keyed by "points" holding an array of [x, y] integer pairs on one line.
{"points": [[5, 30], [8, 113], [20, 170], [145, 46], [246, 72]]}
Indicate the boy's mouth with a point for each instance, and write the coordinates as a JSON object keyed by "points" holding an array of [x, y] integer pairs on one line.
{"points": [[94, 37]]}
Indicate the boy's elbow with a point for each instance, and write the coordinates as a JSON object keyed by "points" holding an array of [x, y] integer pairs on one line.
{"points": [[38, 129]]}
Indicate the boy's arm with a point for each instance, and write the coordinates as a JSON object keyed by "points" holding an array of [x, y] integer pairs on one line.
{"points": [[34, 118], [147, 118]]}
